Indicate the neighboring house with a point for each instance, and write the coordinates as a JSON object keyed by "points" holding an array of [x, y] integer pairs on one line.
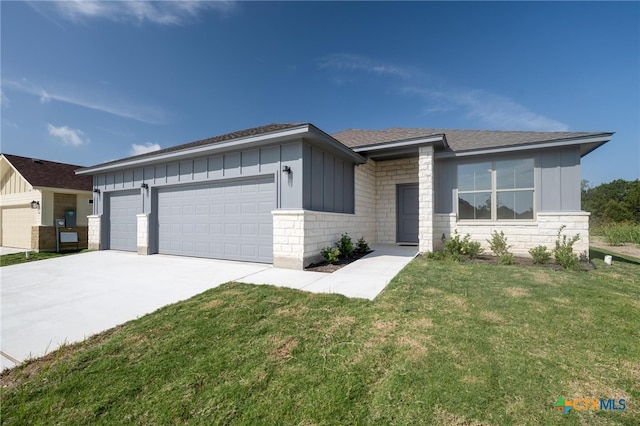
{"points": [[280, 193], [35, 192]]}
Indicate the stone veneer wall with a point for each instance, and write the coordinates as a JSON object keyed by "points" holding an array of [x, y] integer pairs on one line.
{"points": [[94, 232], [300, 235], [522, 236], [43, 238], [389, 174]]}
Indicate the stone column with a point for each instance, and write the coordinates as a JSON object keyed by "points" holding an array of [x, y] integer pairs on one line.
{"points": [[94, 231], [425, 198], [143, 233]]}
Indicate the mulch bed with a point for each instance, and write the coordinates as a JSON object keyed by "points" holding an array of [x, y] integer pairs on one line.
{"points": [[329, 267]]}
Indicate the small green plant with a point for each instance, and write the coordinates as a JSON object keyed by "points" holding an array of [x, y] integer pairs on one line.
{"points": [[362, 246], [563, 251], [457, 247], [330, 254], [540, 255], [507, 259], [498, 244], [436, 255], [345, 245]]}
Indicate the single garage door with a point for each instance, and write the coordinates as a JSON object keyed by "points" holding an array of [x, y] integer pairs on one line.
{"points": [[224, 220], [123, 229], [16, 226]]}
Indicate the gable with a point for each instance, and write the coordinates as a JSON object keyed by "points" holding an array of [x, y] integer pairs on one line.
{"points": [[12, 182], [48, 174]]}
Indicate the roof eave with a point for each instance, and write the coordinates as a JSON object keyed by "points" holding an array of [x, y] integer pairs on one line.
{"points": [[402, 144], [587, 145], [247, 141]]}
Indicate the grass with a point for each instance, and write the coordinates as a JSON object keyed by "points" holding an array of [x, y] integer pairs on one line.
{"points": [[445, 344], [17, 258], [617, 234]]}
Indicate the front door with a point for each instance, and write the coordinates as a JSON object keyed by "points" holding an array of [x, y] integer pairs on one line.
{"points": [[407, 217]]}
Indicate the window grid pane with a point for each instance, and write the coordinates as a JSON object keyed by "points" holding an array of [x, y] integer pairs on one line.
{"points": [[475, 205], [515, 205]]}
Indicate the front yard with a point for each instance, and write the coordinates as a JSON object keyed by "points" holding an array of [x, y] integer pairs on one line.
{"points": [[446, 344]]}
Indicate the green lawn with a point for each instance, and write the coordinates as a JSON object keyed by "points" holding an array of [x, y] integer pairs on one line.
{"points": [[16, 258], [444, 344]]}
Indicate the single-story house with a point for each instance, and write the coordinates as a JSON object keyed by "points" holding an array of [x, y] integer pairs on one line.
{"points": [[33, 193], [280, 193]]}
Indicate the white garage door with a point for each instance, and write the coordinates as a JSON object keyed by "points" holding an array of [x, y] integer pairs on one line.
{"points": [[226, 220], [123, 208], [16, 226]]}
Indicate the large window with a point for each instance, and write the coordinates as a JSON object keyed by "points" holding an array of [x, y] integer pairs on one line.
{"points": [[499, 190]]}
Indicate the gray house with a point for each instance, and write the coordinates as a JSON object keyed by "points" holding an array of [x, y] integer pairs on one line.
{"points": [[280, 193]]}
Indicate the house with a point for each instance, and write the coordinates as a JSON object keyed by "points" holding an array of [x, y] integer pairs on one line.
{"points": [[280, 193], [33, 193]]}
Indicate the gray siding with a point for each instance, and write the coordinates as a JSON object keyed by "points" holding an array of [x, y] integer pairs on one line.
{"points": [[328, 181], [557, 179], [248, 163]]}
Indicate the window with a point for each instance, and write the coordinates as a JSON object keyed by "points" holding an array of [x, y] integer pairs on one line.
{"points": [[499, 190]]}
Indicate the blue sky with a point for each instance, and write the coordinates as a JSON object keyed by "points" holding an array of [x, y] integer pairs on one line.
{"points": [[87, 82]]}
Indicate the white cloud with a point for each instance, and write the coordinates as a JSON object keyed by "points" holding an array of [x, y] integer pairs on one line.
{"points": [[137, 149], [349, 62], [4, 101], [136, 12], [495, 111], [92, 99], [67, 135]]}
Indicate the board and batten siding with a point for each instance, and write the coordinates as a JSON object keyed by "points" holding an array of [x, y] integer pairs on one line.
{"points": [[556, 177], [223, 166], [328, 182]]}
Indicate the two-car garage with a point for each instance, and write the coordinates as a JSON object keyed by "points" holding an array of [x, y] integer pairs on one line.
{"points": [[228, 219]]}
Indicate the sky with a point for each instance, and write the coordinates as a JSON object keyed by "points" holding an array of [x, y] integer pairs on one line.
{"points": [[89, 82]]}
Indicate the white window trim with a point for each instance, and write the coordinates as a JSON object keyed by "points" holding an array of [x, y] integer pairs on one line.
{"points": [[494, 198]]}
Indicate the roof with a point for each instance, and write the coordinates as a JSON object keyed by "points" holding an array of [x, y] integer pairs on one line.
{"points": [[43, 173], [255, 131], [243, 138], [458, 140]]}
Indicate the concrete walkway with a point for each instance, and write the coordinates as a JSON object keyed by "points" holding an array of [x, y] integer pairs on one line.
{"points": [[64, 300], [365, 278]]}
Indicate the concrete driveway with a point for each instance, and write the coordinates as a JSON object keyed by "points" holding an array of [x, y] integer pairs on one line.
{"points": [[50, 302]]}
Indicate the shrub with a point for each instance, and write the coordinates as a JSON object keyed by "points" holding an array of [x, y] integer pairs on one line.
{"points": [[507, 259], [345, 245], [456, 247], [436, 255], [498, 244], [331, 254], [563, 252], [362, 246], [540, 255]]}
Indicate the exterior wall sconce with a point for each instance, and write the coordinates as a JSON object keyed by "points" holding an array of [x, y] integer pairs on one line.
{"points": [[144, 185], [35, 204], [96, 190], [287, 170]]}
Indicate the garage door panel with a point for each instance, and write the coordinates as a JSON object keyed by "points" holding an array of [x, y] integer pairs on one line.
{"points": [[225, 220], [123, 208]]}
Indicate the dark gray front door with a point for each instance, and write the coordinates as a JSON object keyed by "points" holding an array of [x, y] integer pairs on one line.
{"points": [[407, 217]]}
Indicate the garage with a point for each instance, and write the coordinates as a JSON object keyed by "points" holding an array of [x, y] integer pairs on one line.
{"points": [[221, 220], [123, 208], [16, 226]]}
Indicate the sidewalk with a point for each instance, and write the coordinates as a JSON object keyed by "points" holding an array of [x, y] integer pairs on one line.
{"points": [[365, 278]]}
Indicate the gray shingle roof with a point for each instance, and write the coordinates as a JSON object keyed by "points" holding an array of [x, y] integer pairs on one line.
{"points": [[254, 131], [458, 140]]}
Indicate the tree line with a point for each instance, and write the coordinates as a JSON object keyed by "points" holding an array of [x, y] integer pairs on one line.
{"points": [[616, 201]]}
